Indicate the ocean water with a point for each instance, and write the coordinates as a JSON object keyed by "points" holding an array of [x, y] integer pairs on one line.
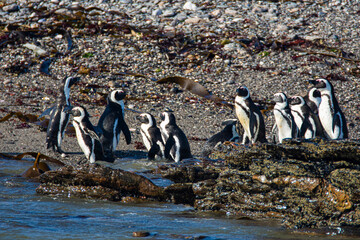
{"points": [[27, 215]]}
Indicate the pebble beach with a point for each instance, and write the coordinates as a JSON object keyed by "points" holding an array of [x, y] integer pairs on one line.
{"points": [[268, 46]]}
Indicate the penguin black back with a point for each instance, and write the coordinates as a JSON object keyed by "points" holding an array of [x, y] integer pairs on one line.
{"points": [[249, 116], [59, 118], [151, 136], [174, 138], [332, 118], [112, 122]]}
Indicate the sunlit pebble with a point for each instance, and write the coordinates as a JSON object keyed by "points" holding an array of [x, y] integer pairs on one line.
{"points": [[63, 155], [59, 36]]}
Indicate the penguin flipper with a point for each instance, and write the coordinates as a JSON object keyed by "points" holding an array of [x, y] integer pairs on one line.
{"points": [[252, 126], [336, 123], [92, 134], [169, 143], [275, 134], [127, 134]]}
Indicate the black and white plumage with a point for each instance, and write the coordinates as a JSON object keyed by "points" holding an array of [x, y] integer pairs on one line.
{"points": [[229, 133], [59, 117], [313, 100], [87, 138], [151, 136], [249, 116], [174, 138], [112, 123], [331, 117], [307, 122], [285, 126]]}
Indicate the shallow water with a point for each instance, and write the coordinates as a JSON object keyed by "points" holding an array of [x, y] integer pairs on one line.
{"points": [[27, 215]]}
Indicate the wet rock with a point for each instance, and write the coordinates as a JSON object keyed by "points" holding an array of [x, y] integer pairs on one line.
{"points": [[95, 181], [308, 184]]}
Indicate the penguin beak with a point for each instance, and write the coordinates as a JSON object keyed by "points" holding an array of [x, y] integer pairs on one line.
{"points": [[313, 82]]}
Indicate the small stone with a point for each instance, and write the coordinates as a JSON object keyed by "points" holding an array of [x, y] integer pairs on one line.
{"points": [[193, 20], [11, 8], [38, 50], [169, 13], [231, 12], [189, 6], [157, 12], [216, 13]]}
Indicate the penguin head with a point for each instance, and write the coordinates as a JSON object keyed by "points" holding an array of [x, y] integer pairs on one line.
{"points": [[280, 97], [117, 96], [296, 100], [67, 83], [147, 118], [280, 100], [168, 118], [79, 113], [243, 92], [322, 84]]}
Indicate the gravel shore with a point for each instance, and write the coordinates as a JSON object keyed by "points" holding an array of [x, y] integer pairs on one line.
{"points": [[268, 46]]}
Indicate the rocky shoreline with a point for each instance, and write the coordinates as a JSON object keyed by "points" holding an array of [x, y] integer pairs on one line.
{"points": [[306, 184]]}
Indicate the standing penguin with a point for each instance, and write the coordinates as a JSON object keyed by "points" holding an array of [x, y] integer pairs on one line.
{"points": [[307, 122], [87, 138], [151, 136], [112, 123], [285, 126], [174, 138], [331, 117], [249, 116], [59, 118], [313, 100]]}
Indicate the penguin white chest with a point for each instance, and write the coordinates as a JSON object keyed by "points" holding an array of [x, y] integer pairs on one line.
{"points": [[242, 112], [326, 116], [145, 136], [283, 125], [80, 138], [116, 135]]}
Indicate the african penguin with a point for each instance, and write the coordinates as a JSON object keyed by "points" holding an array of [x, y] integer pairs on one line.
{"points": [[307, 122], [313, 100], [87, 138], [285, 126], [331, 117], [151, 136], [59, 118], [229, 133], [112, 123], [249, 116], [174, 138]]}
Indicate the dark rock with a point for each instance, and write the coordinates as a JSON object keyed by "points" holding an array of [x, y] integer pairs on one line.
{"points": [[95, 181]]}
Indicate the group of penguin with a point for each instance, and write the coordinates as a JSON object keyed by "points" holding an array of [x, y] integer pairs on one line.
{"points": [[100, 142], [315, 115]]}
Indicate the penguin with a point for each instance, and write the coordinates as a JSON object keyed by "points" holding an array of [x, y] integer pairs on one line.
{"points": [[331, 117], [285, 126], [229, 133], [87, 138], [249, 116], [151, 136], [59, 118], [174, 138], [307, 122], [112, 123], [313, 100]]}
